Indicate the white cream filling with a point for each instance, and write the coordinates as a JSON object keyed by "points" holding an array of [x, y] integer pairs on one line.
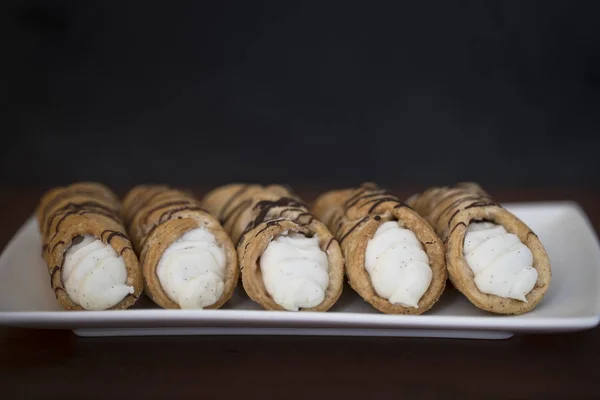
{"points": [[295, 271], [502, 264], [397, 265], [94, 275], [192, 270]]}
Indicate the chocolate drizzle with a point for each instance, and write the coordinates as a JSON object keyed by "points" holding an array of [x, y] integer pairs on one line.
{"points": [[54, 271], [457, 202], [453, 215], [269, 212], [436, 203], [169, 214], [356, 199], [347, 216], [239, 209], [90, 207], [59, 289], [265, 206], [350, 200], [229, 201], [112, 234], [379, 202], [353, 228], [104, 214], [67, 194], [329, 244], [145, 200], [483, 203], [453, 229], [160, 204], [355, 206], [269, 224], [150, 211], [305, 214], [338, 220], [292, 209], [372, 194], [56, 245]]}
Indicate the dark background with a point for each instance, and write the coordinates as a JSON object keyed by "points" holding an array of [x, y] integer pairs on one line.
{"points": [[203, 93]]}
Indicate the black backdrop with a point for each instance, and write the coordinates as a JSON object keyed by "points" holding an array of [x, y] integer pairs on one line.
{"points": [[202, 93]]}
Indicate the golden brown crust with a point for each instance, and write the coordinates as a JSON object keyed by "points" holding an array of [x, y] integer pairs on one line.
{"points": [[156, 216], [85, 208], [450, 210], [354, 215], [253, 215]]}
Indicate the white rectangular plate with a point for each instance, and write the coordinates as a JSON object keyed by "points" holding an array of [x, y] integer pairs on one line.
{"points": [[572, 302]]}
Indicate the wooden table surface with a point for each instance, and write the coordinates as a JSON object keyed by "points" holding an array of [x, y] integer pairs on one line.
{"points": [[40, 363]]}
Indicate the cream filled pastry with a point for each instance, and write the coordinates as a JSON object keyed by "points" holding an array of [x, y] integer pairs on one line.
{"points": [[289, 260], [192, 270], [398, 265], [493, 258], [393, 258], [188, 260], [295, 271], [94, 275], [89, 256], [502, 264]]}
